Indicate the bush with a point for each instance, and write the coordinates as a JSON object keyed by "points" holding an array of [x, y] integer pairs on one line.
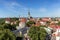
{"points": [[19, 38], [29, 24], [37, 33], [6, 34]]}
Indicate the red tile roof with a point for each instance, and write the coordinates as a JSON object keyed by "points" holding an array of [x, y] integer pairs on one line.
{"points": [[7, 19]]}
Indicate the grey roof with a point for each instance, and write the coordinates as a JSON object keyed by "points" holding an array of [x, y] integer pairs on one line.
{"points": [[23, 30]]}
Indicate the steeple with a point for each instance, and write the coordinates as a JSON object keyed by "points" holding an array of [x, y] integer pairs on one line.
{"points": [[19, 17], [29, 14]]}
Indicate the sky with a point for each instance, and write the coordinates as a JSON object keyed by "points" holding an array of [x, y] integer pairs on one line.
{"points": [[38, 8]]}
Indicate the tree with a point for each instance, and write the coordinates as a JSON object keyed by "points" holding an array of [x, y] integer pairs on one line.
{"points": [[2, 21], [33, 33], [17, 22], [6, 34], [42, 34], [48, 22], [8, 26], [29, 23], [14, 19], [19, 38], [42, 26], [58, 23], [1, 27], [37, 33]]}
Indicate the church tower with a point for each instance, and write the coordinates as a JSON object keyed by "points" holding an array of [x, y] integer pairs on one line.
{"points": [[29, 14], [19, 17]]}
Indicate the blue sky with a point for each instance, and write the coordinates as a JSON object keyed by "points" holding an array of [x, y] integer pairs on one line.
{"points": [[38, 8]]}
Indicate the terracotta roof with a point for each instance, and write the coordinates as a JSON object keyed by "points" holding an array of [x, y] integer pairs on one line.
{"points": [[7, 19]]}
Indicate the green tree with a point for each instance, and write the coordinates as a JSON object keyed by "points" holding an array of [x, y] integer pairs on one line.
{"points": [[1, 27], [42, 26], [8, 26], [6, 34], [58, 23], [29, 23], [14, 27], [2, 21], [17, 22], [42, 34], [37, 33], [33, 33], [14, 19]]}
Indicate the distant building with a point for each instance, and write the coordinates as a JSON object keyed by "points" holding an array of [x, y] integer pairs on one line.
{"points": [[46, 19], [37, 23], [13, 22], [53, 22], [19, 18], [38, 19], [22, 22], [7, 20], [42, 23], [57, 33], [21, 25], [32, 19]]}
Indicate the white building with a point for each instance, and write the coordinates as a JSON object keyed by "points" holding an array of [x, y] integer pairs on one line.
{"points": [[42, 23], [21, 24], [7, 20], [57, 34]]}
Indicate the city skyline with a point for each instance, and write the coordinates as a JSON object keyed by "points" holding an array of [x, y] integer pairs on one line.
{"points": [[38, 8]]}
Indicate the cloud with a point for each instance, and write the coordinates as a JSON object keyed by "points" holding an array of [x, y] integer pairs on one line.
{"points": [[43, 10], [15, 7], [54, 13], [57, 12]]}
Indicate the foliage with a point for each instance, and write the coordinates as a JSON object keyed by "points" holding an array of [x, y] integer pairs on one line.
{"points": [[47, 22], [58, 23], [1, 27], [14, 19], [42, 26], [8, 26], [17, 23], [19, 38], [14, 27], [37, 33], [6, 34], [29, 23], [2, 21], [5, 30], [40, 19], [42, 34]]}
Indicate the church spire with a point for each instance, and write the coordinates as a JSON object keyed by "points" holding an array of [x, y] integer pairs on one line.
{"points": [[29, 13]]}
